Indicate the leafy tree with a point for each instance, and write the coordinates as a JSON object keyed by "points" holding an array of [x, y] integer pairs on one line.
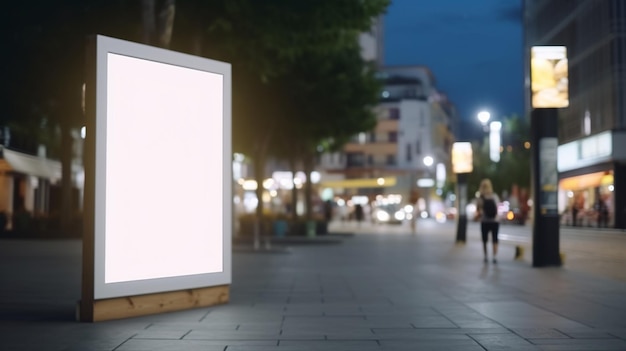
{"points": [[48, 43], [514, 165], [268, 43], [333, 96], [263, 40]]}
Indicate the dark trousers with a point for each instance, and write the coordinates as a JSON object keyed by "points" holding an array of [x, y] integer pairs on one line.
{"points": [[493, 227]]}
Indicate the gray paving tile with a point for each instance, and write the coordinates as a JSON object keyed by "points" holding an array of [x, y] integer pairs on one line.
{"points": [[188, 345], [619, 333], [161, 334], [432, 322], [232, 335], [587, 333], [330, 345], [468, 319], [504, 342], [431, 345], [420, 334], [580, 344], [270, 326], [517, 314], [376, 292], [187, 326], [540, 333], [388, 322]]}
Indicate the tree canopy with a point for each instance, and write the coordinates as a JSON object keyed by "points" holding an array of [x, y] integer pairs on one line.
{"points": [[297, 69]]}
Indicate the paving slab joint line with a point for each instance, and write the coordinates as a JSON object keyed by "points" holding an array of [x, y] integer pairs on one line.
{"points": [[477, 342], [187, 333], [616, 336], [124, 342]]}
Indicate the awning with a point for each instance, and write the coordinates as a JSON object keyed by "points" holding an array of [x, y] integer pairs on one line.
{"points": [[30, 165], [360, 183], [585, 181]]}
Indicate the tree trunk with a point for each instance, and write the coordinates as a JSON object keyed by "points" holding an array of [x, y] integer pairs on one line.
{"points": [[294, 190], [148, 21], [66, 179], [259, 174], [158, 28], [166, 23], [308, 186]]}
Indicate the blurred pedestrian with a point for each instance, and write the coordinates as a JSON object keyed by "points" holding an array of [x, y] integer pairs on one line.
{"points": [[603, 213], [487, 212], [358, 213], [328, 211]]}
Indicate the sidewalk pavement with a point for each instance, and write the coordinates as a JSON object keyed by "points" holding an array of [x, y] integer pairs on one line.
{"points": [[374, 290]]}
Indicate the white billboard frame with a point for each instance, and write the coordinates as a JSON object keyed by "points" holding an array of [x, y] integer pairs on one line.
{"points": [[204, 108]]}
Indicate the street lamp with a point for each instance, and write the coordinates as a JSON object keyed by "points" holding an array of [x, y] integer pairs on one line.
{"points": [[495, 140], [428, 161], [483, 117], [427, 182]]}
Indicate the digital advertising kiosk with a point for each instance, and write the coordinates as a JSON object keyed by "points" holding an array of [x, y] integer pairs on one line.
{"points": [[158, 193]]}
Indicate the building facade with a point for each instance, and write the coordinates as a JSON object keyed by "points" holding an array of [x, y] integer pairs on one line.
{"points": [[408, 150], [592, 129]]}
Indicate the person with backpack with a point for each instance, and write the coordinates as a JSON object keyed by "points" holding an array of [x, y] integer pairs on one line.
{"points": [[487, 211]]}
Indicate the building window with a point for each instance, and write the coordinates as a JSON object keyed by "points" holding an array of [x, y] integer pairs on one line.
{"points": [[409, 154], [370, 160], [362, 138], [394, 113], [393, 137], [355, 159], [391, 160], [418, 148]]}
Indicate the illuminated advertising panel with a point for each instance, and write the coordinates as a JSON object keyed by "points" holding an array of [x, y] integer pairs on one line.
{"points": [[162, 170], [462, 157], [549, 77]]}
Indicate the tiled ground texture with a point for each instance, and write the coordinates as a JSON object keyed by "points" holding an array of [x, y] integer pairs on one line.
{"points": [[384, 291]]}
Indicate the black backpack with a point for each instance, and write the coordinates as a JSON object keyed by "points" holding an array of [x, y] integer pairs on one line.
{"points": [[490, 209]]}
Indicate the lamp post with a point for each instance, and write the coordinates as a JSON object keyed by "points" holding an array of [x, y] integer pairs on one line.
{"points": [[427, 182], [462, 165]]}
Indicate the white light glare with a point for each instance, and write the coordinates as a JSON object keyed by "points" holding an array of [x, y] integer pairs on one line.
{"points": [[483, 117], [428, 161]]}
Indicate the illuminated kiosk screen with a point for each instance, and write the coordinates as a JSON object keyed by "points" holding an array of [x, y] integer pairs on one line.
{"points": [[162, 171]]}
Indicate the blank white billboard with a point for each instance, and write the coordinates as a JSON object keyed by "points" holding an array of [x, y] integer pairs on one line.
{"points": [[162, 170]]}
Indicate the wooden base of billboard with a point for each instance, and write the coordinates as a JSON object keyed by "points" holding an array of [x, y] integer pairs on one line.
{"points": [[140, 305]]}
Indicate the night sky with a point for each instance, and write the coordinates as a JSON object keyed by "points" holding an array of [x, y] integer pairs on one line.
{"points": [[474, 49]]}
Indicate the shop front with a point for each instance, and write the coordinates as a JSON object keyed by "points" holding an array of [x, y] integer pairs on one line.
{"points": [[588, 200], [592, 181]]}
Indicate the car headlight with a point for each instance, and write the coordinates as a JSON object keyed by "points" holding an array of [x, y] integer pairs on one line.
{"points": [[399, 215], [440, 217], [382, 216], [510, 215]]}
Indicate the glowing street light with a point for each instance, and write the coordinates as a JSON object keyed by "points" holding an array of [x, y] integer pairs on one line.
{"points": [[428, 161], [483, 117], [495, 140]]}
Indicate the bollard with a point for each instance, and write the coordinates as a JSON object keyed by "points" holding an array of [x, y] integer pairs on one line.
{"points": [[519, 252]]}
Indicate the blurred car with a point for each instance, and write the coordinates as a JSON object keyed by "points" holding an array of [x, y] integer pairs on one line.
{"points": [[392, 214], [510, 215]]}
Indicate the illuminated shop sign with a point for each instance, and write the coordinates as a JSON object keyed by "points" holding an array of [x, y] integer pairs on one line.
{"points": [[585, 152]]}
